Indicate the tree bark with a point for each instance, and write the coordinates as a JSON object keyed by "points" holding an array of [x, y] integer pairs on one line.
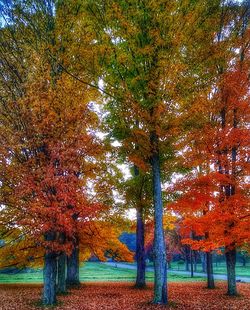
{"points": [[169, 264], [231, 277], [186, 258], [192, 262], [195, 260], [204, 262], [61, 274], [140, 244], [243, 261], [160, 263], [210, 275], [72, 279], [140, 250], [49, 278]]}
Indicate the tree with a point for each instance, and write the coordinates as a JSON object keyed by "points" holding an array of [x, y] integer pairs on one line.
{"points": [[215, 200], [141, 56]]}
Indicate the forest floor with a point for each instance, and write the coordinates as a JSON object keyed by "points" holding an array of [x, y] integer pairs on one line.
{"points": [[122, 296]]}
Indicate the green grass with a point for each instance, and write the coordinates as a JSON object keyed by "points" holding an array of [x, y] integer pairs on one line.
{"points": [[220, 268], [240, 271], [93, 272], [97, 272]]}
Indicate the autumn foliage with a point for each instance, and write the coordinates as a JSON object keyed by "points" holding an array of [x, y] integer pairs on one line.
{"points": [[161, 87]]}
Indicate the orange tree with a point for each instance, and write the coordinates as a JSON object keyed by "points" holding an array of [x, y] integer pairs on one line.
{"points": [[215, 199], [48, 145], [50, 154], [46, 163]]}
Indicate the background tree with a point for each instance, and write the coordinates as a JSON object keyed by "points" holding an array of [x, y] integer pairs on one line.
{"points": [[219, 146]]}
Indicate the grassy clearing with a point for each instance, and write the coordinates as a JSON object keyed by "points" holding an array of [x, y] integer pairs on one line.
{"points": [[219, 268], [93, 272]]}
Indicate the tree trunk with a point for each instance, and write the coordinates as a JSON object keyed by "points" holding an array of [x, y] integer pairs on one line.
{"points": [[49, 278], [169, 264], [186, 258], [243, 261], [61, 274], [72, 279], [204, 262], [140, 250], [195, 260], [160, 263], [216, 261], [231, 277], [210, 275], [192, 262]]}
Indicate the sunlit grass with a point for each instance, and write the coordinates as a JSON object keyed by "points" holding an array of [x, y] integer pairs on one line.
{"points": [[93, 272]]}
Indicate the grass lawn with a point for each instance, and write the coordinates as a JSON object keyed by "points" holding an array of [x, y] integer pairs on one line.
{"points": [[92, 272], [219, 269]]}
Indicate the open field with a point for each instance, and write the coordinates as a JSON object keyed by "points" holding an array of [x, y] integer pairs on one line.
{"points": [[122, 296], [219, 268], [92, 272]]}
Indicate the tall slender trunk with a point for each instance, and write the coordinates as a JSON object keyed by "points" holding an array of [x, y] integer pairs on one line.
{"points": [[209, 267], [140, 246], [230, 251], [140, 251], [243, 261], [61, 274], [192, 262], [49, 278], [204, 261], [195, 261], [210, 274], [231, 277], [186, 258], [160, 262], [72, 279]]}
